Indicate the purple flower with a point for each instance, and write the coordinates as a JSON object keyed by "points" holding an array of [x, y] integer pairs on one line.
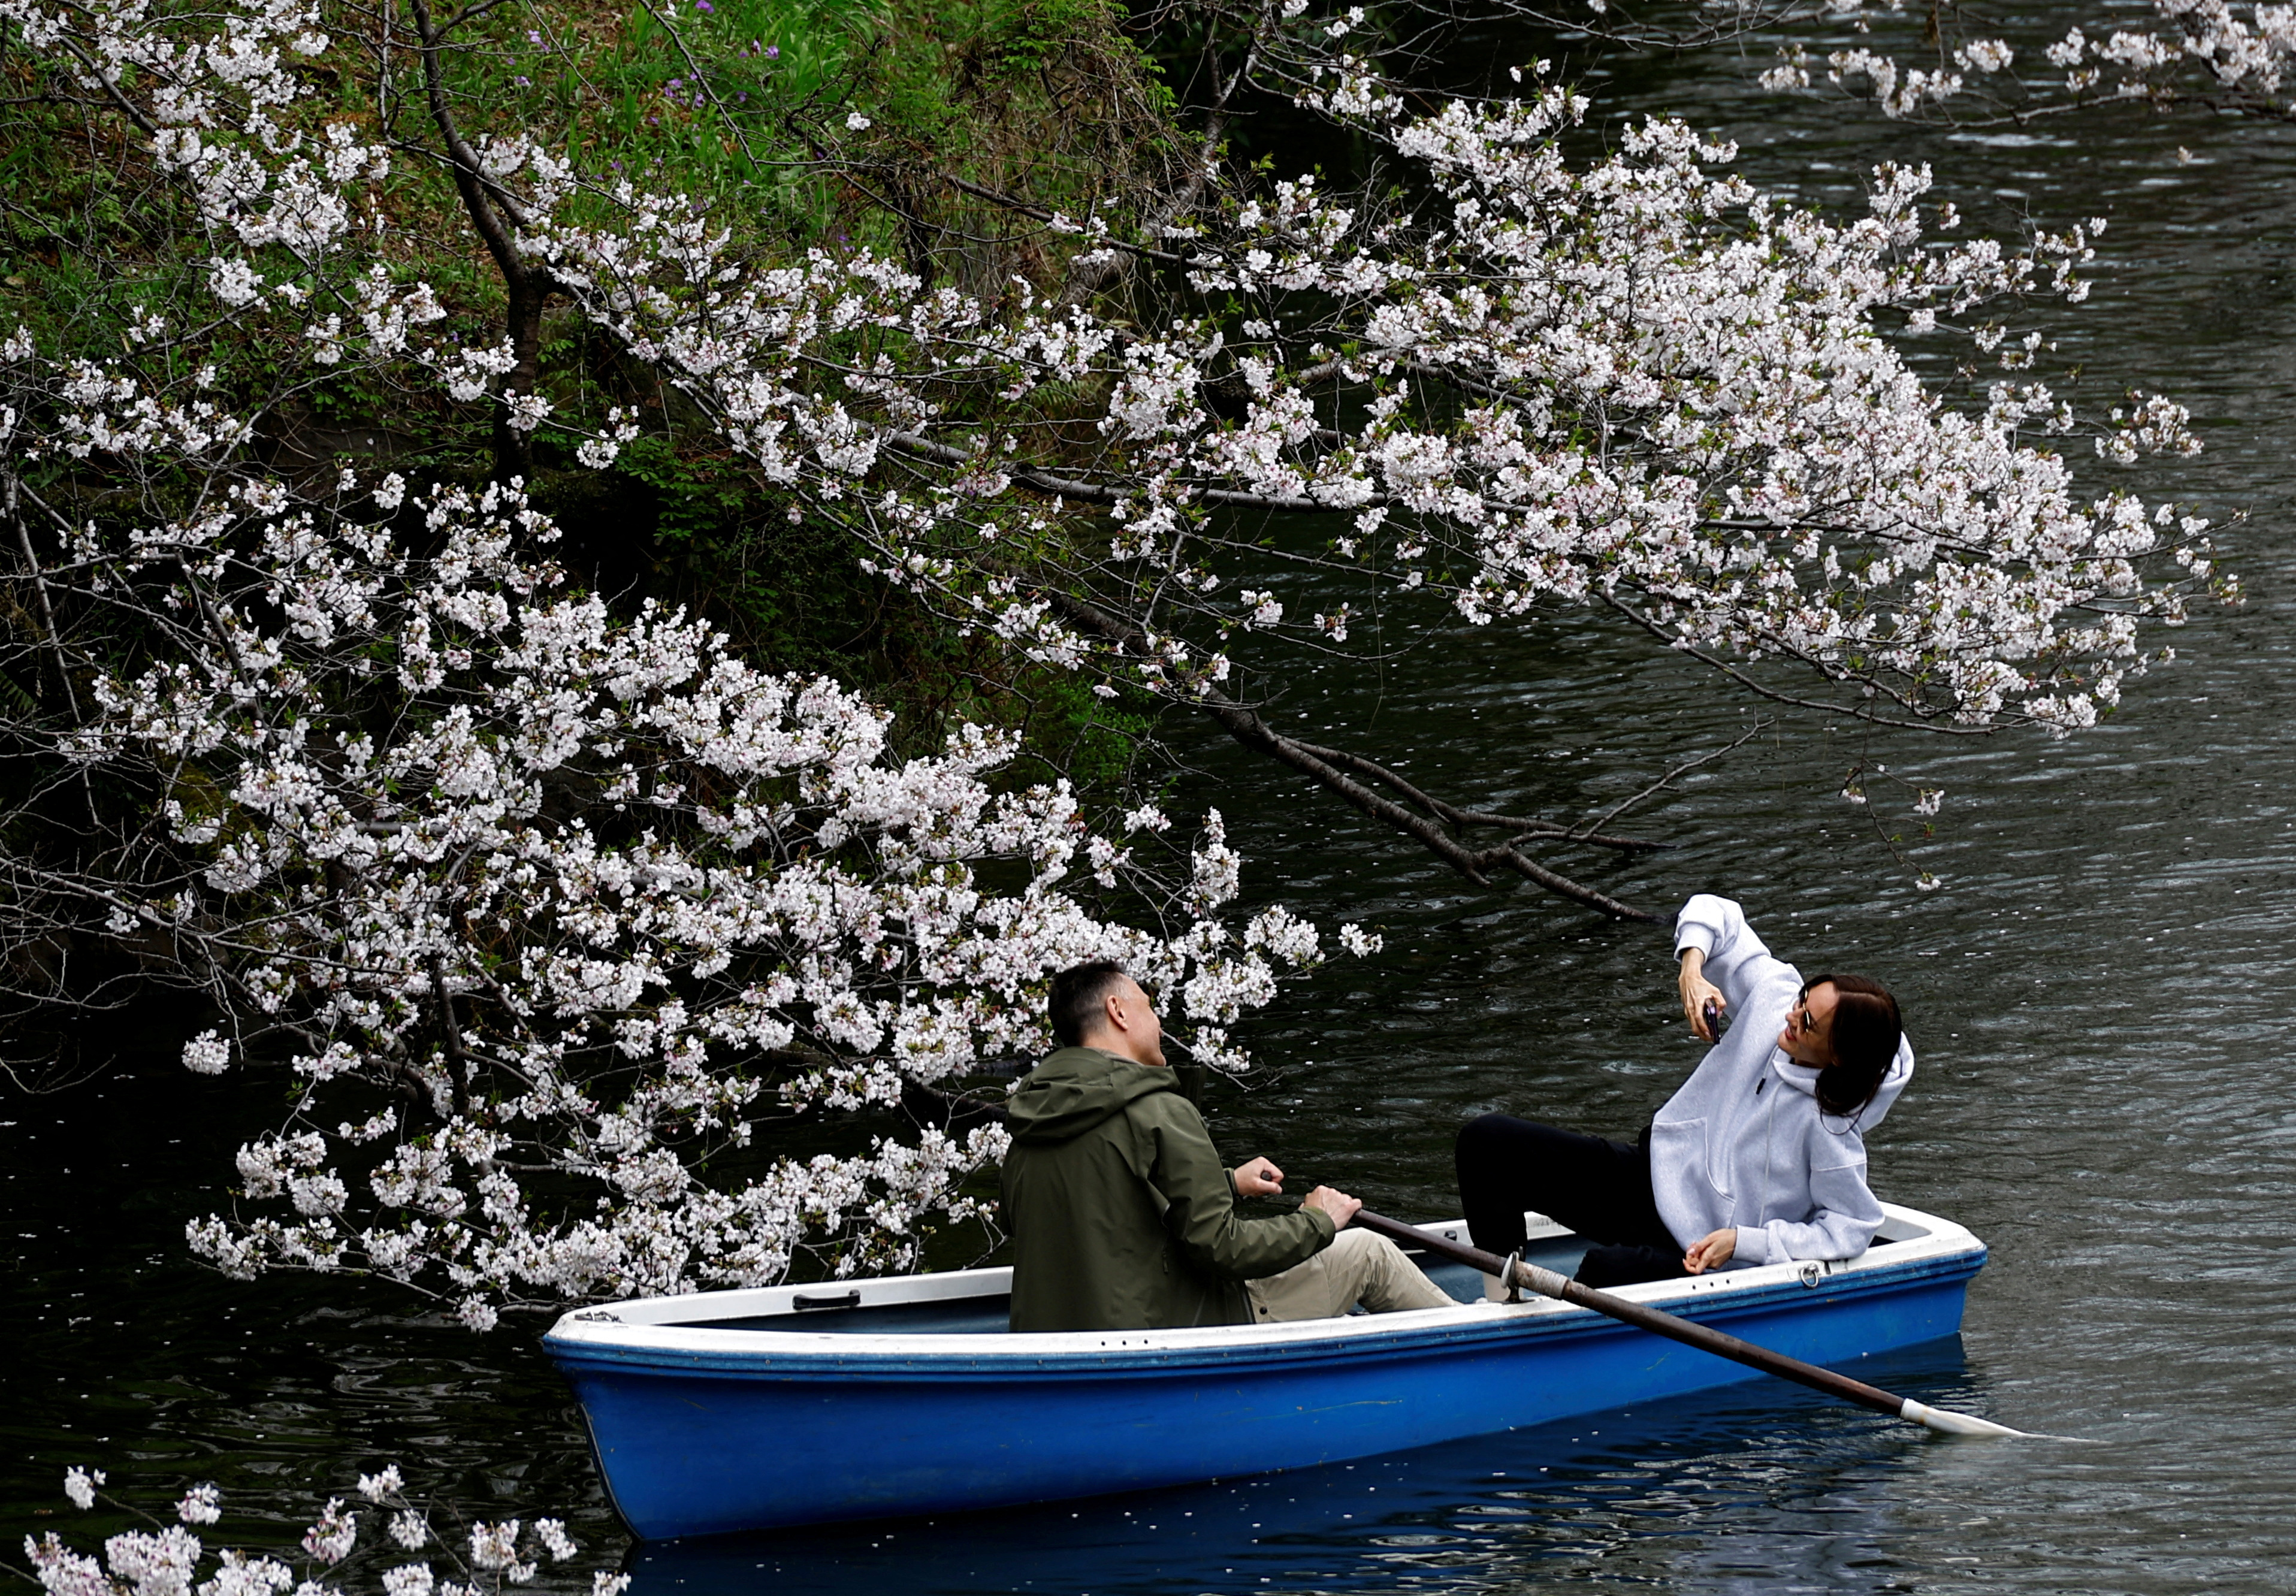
{"points": [[525, 82], [704, 5], [772, 52]]}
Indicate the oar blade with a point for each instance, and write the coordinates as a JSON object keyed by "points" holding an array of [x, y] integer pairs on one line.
{"points": [[1949, 1422]]}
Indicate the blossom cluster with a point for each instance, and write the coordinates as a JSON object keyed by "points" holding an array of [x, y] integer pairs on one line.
{"points": [[565, 902], [1639, 383], [171, 1560], [2165, 53]]}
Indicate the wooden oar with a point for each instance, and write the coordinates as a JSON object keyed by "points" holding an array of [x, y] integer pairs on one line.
{"points": [[1563, 1288]]}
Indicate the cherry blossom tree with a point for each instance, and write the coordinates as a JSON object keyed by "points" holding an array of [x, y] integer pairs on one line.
{"points": [[546, 906]]}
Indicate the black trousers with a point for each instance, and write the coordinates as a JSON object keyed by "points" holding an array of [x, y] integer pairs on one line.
{"points": [[1600, 1189]]}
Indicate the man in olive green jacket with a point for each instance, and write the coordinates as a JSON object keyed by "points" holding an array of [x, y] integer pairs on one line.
{"points": [[1122, 1216]]}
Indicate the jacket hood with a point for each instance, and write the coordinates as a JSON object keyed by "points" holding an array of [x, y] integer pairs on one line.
{"points": [[1077, 1089], [1803, 1079]]}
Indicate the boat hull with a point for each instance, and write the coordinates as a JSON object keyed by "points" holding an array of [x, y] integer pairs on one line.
{"points": [[712, 1430]]}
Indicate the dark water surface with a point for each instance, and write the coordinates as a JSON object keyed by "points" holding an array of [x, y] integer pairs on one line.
{"points": [[2099, 996]]}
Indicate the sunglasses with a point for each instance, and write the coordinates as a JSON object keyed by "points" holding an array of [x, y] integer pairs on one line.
{"points": [[1804, 1022]]}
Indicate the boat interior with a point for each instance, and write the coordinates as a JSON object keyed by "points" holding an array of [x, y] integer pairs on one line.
{"points": [[974, 1301]]}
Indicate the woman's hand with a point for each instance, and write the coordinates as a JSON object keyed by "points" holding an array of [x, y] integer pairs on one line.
{"points": [[1697, 992], [1259, 1178], [1712, 1253]]}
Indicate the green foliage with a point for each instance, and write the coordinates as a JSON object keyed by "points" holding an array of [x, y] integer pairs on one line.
{"points": [[1035, 34], [1096, 744]]}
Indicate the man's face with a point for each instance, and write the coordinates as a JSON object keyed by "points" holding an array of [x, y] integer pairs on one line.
{"points": [[1808, 1035], [1133, 1028]]}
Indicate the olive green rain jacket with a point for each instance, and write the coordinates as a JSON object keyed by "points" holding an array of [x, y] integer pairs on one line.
{"points": [[1121, 1213]]}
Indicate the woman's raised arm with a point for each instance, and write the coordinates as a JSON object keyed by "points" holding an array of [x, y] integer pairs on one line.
{"points": [[1723, 960]]}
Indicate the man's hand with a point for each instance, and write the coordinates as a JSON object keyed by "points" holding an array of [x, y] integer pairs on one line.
{"points": [[1712, 1253], [1259, 1178], [1697, 992], [1339, 1205]]}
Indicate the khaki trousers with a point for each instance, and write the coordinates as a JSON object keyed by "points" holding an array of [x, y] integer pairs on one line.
{"points": [[1357, 1267]]}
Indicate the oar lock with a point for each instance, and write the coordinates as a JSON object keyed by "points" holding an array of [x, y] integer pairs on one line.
{"points": [[1507, 1277]]}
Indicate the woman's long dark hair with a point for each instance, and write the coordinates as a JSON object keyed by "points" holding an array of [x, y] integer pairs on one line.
{"points": [[1867, 1031]]}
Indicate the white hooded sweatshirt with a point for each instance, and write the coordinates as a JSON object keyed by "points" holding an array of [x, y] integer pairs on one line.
{"points": [[1743, 1143]]}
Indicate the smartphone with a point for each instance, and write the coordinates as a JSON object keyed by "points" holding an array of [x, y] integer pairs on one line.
{"points": [[1717, 1021]]}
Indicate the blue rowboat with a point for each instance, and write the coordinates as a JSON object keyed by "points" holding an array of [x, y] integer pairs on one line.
{"points": [[730, 1411]]}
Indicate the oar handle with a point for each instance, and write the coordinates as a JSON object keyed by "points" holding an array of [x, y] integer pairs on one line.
{"points": [[1547, 1282]]}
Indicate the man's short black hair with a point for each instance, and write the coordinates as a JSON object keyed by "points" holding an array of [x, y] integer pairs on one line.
{"points": [[1077, 996]]}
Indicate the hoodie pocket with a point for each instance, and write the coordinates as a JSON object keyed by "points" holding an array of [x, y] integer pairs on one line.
{"points": [[1677, 1152]]}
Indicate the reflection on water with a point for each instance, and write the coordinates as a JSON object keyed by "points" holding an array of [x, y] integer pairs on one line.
{"points": [[2097, 997], [1746, 1488]]}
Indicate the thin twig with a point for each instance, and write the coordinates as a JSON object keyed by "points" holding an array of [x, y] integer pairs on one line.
{"points": [[40, 586], [1827, 707], [1479, 817], [709, 88], [1680, 770]]}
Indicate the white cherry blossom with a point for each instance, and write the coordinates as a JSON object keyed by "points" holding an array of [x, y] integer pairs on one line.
{"points": [[169, 1560]]}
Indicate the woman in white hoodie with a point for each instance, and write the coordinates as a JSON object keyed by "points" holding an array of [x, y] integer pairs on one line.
{"points": [[1758, 1158]]}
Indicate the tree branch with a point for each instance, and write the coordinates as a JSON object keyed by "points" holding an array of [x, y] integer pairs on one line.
{"points": [[1245, 725], [497, 215], [1040, 213], [1479, 817], [1752, 686]]}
